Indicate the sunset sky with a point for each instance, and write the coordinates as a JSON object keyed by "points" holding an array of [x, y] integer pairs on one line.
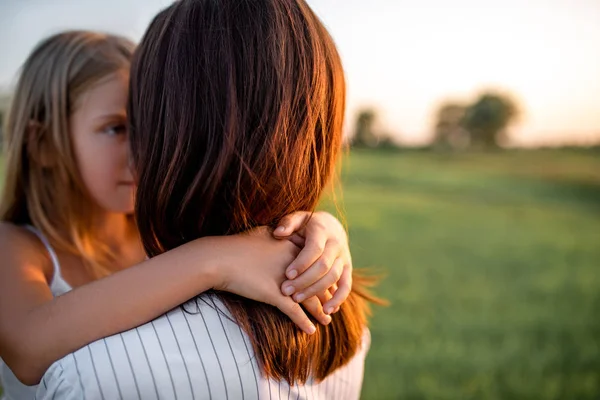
{"points": [[404, 57]]}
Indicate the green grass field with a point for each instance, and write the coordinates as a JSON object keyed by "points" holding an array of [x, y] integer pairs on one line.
{"points": [[493, 272]]}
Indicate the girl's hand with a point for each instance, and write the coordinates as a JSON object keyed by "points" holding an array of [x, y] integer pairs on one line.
{"points": [[253, 265], [314, 305], [324, 266]]}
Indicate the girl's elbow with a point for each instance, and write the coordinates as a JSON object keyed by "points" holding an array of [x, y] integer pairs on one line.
{"points": [[26, 367], [29, 378]]}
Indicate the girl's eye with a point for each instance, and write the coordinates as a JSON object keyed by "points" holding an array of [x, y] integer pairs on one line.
{"points": [[114, 130]]}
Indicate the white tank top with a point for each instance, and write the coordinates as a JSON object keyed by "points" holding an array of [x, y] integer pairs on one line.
{"points": [[13, 388]]}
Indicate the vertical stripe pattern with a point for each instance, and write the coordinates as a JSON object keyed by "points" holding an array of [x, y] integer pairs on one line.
{"points": [[200, 355]]}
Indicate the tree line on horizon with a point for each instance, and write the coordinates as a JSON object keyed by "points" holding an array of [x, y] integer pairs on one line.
{"points": [[480, 124]]}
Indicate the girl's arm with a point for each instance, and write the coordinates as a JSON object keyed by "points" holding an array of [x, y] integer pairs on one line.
{"points": [[37, 329]]}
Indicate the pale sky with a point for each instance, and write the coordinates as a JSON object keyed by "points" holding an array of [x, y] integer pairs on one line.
{"points": [[404, 57]]}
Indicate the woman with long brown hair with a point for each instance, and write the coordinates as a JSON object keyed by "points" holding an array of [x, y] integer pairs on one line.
{"points": [[236, 111]]}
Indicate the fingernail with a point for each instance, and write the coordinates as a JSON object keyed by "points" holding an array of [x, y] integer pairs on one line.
{"points": [[292, 274], [328, 310], [300, 297], [280, 229], [289, 290], [311, 329], [327, 319]]}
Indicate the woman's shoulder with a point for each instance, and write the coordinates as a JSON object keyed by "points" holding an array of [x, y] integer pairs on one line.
{"points": [[153, 360], [60, 384]]}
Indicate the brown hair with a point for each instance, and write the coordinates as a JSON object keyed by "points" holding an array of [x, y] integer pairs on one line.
{"points": [[236, 111], [51, 195]]}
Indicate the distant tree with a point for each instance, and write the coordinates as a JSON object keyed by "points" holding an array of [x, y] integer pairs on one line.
{"points": [[486, 120], [449, 130], [364, 130], [366, 133]]}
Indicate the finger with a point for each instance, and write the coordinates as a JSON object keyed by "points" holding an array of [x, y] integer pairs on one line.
{"points": [[333, 288], [323, 284], [319, 266], [324, 297], [313, 248], [342, 293], [291, 223], [293, 310], [314, 306], [296, 239]]}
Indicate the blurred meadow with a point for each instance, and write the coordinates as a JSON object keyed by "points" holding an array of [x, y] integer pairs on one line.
{"points": [[492, 269]]}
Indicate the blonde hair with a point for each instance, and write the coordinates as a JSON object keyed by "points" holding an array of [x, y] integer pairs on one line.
{"points": [[51, 195]]}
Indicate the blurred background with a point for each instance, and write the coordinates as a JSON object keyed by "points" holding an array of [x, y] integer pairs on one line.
{"points": [[472, 182]]}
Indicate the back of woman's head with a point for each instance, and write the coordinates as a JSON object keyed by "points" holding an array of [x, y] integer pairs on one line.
{"points": [[236, 114], [43, 186]]}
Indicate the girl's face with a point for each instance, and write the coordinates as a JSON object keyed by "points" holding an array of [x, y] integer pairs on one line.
{"points": [[100, 140]]}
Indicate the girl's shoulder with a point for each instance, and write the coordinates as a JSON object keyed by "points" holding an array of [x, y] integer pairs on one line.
{"points": [[21, 248], [16, 235]]}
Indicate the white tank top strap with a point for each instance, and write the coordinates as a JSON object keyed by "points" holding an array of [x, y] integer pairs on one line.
{"points": [[48, 246], [58, 284]]}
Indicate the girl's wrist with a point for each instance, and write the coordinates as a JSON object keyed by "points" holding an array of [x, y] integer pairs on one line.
{"points": [[208, 262]]}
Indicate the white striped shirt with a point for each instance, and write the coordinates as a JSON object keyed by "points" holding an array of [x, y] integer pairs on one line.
{"points": [[199, 355]]}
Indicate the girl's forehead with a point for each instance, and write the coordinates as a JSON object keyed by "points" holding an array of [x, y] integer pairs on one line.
{"points": [[107, 96]]}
